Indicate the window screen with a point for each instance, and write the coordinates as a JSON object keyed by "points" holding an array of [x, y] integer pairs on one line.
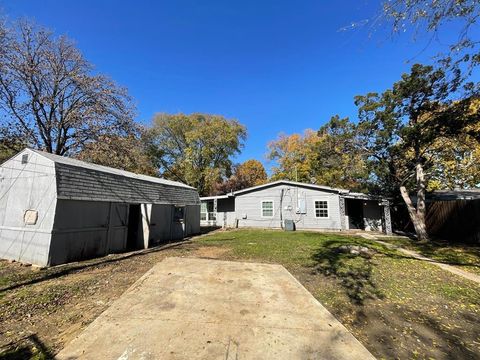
{"points": [[321, 209], [267, 208], [203, 211]]}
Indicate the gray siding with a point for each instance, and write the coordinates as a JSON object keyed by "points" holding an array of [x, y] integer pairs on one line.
{"points": [[77, 183], [226, 212], [23, 187], [249, 205]]}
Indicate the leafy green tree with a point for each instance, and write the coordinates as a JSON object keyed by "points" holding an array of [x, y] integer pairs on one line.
{"points": [[331, 156], [120, 152], [251, 173], [403, 126], [456, 164], [195, 149], [294, 156], [339, 156], [248, 174]]}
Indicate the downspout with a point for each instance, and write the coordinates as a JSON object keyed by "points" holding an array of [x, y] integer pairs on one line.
{"points": [[281, 208]]}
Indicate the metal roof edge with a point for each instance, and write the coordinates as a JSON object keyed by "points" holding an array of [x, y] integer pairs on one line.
{"points": [[292, 183], [216, 197]]}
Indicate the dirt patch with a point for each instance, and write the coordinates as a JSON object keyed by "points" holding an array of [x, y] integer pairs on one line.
{"points": [[42, 310], [211, 252], [423, 328]]}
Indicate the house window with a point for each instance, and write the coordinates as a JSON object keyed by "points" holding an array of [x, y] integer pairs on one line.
{"points": [[321, 208], [24, 158], [203, 211], [267, 208]]}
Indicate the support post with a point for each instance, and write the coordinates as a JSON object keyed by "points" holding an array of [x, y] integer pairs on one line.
{"points": [[215, 205], [342, 213], [387, 217]]}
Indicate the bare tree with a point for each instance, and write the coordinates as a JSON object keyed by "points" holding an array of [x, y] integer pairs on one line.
{"points": [[431, 16], [50, 97]]}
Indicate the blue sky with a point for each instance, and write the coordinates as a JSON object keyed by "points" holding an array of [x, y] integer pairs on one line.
{"points": [[276, 66]]}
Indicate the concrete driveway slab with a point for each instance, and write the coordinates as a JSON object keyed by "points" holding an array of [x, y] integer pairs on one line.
{"points": [[187, 308]]}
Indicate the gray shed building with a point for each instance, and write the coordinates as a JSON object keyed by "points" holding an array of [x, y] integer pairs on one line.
{"points": [[55, 210], [309, 206]]}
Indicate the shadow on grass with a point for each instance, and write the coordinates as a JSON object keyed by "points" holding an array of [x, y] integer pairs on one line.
{"points": [[410, 334], [29, 347], [394, 331], [456, 254], [451, 254], [353, 270]]}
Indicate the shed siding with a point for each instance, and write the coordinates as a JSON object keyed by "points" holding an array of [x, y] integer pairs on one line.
{"points": [[249, 204], [164, 229], [161, 224], [87, 229], [29, 186], [192, 219]]}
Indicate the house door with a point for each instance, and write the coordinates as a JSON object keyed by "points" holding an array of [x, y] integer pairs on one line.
{"points": [[354, 213]]}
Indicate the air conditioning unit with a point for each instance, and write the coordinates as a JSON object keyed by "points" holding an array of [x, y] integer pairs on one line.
{"points": [[289, 225]]}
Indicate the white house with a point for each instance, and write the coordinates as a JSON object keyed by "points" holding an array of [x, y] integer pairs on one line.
{"points": [[309, 206]]}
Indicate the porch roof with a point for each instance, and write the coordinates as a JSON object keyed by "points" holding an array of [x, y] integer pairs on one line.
{"points": [[206, 198], [361, 196]]}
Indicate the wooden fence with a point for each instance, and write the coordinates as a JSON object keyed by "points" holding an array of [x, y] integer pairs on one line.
{"points": [[454, 220]]}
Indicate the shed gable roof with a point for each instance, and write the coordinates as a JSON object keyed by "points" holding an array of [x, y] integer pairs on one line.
{"points": [[79, 180], [86, 165]]}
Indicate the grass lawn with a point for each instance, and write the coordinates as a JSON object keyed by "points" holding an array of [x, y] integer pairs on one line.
{"points": [[396, 306], [466, 257]]}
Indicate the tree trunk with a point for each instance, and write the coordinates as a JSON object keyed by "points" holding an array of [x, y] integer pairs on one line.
{"points": [[421, 207], [418, 221]]}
